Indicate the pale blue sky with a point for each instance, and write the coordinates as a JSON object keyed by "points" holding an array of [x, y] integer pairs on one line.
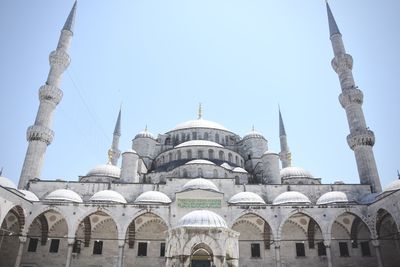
{"points": [[238, 58]]}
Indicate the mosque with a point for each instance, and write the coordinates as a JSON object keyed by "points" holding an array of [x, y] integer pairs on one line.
{"points": [[198, 195]]}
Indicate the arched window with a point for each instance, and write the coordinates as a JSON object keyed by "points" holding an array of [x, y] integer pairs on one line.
{"points": [[237, 160], [168, 141], [216, 138], [230, 157], [200, 154], [189, 154], [205, 136], [194, 135], [199, 172], [187, 137], [179, 155], [237, 180], [162, 159], [226, 140], [185, 173], [221, 155], [215, 173], [169, 156], [241, 163], [211, 154], [183, 137]]}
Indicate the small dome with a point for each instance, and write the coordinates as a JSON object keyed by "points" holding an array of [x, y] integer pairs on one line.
{"points": [[253, 134], [108, 196], [226, 166], [238, 169], [7, 183], [295, 172], [29, 195], [200, 161], [200, 123], [269, 152], [130, 151], [200, 183], [395, 185], [145, 134], [151, 197], [108, 170], [332, 197], [202, 218], [64, 195], [199, 143], [246, 198], [291, 197]]}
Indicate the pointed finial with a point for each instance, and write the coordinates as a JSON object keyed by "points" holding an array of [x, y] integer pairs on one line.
{"points": [[281, 125], [252, 128], [117, 129], [200, 115], [333, 28], [69, 24], [398, 173]]}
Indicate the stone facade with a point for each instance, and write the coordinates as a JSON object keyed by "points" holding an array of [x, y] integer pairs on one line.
{"points": [[198, 195]]}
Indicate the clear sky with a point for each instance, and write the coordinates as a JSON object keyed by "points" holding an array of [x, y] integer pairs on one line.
{"points": [[240, 59]]}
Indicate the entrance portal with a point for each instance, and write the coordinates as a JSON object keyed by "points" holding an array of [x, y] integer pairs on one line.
{"points": [[201, 256]]}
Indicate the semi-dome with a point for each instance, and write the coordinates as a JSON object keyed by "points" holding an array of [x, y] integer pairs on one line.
{"points": [[202, 218], [29, 195], [152, 197], [200, 183], [200, 161], [5, 182], [253, 134], [295, 172], [226, 166], [291, 197], [108, 170], [246, 198], [239, 169], [108, 196], [200, 123], [64, 195], [393, 186], [198, 143], [332, 197]]}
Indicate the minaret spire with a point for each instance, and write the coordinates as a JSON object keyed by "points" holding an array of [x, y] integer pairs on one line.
{"points": [[40, 135], [361, 139], [114, 152], [285, 155]]}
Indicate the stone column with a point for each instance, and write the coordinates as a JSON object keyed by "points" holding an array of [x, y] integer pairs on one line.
{"points": [[121, 246], [277, 245], [233, 263], [327, 245], [22, 241], [71, 242], [377, 247]]}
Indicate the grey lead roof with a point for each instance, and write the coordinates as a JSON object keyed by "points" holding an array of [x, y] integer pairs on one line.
{"points": [[333, 28], [69, 24]]}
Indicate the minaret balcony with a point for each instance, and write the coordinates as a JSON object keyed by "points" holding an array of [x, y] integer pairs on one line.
{"points": [[342, 63], [39, 133], [59, 59], [50, 93], [351, 96], [361, 138]]}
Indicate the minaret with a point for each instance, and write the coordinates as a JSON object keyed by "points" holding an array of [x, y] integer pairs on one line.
{"points": [[114, 153], [40, 135], [361, 139], [285, 155]]}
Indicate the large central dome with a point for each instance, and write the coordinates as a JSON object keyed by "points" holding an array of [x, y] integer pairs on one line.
{"points": [[200, 123]]}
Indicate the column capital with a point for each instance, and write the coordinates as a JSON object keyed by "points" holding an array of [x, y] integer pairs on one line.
{"points": [[121, 242], [23, 239], [375, 243]]}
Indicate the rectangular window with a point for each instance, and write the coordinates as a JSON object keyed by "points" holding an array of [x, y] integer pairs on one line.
{"points": [[142, 249], [344, 249], [98, 247], [55, 243], [321, 249], [300, 250], [162, 250], [365, 251], [255, 250], [32, 246], [77, 247]]}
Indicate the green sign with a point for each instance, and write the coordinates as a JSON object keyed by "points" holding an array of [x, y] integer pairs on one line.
{"points": [[199, 203]]}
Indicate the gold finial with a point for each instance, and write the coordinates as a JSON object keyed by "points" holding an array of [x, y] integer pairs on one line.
{"points": [[200, 112], [110, 155]]}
